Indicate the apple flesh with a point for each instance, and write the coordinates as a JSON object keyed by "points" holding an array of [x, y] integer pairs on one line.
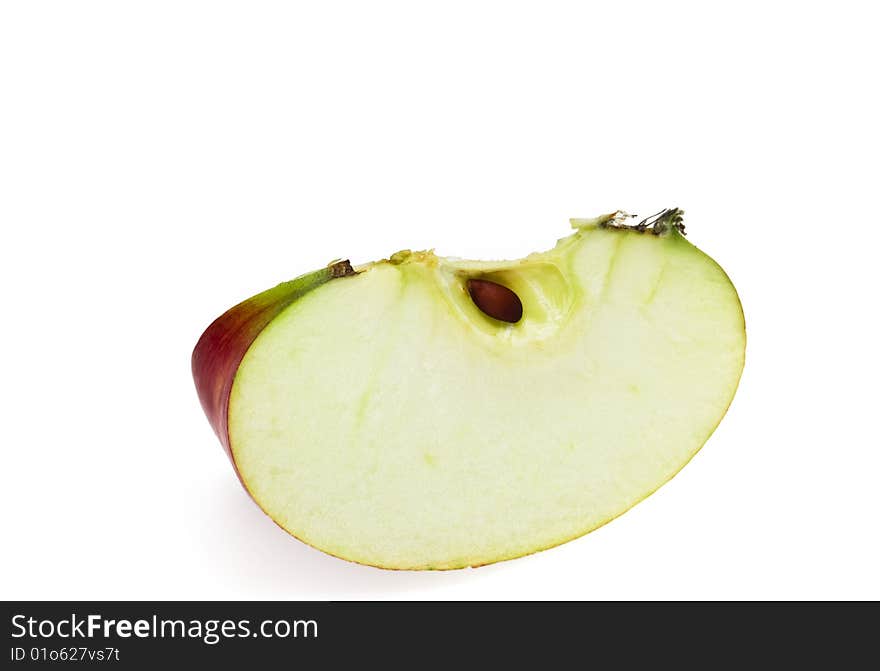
{"points": [[410, 414]]}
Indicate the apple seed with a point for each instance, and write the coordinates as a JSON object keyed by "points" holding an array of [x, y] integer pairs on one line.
{"points": [[495, 300]]}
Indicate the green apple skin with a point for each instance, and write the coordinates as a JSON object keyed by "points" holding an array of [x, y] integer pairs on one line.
{"points": [[222, 346]]}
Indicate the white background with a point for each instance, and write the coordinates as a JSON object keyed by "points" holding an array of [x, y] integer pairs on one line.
{"points": [[161, 161]]}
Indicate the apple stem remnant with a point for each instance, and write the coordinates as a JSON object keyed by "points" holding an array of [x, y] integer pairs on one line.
{"points": [[341, 269], [495, 300], [663, 222]]}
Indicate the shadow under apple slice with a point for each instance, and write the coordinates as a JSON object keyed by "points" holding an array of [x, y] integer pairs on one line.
{"points": [[268, 563]]}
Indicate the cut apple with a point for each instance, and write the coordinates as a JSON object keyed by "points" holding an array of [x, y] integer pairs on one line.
{"points": [[408, 414]]}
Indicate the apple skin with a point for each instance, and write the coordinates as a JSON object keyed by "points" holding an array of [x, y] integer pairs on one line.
{"points": [[222, 346]]}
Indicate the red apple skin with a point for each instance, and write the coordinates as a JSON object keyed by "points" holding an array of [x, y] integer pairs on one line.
{"points": [[224, 343]]}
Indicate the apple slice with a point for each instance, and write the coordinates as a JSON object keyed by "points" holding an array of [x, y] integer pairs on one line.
{"points": [[430, 413]]}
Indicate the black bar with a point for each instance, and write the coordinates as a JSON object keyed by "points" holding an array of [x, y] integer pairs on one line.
{"points": [[292, 633]]}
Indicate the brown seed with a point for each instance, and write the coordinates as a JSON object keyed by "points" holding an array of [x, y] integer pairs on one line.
{"points": [[495, 300]]}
